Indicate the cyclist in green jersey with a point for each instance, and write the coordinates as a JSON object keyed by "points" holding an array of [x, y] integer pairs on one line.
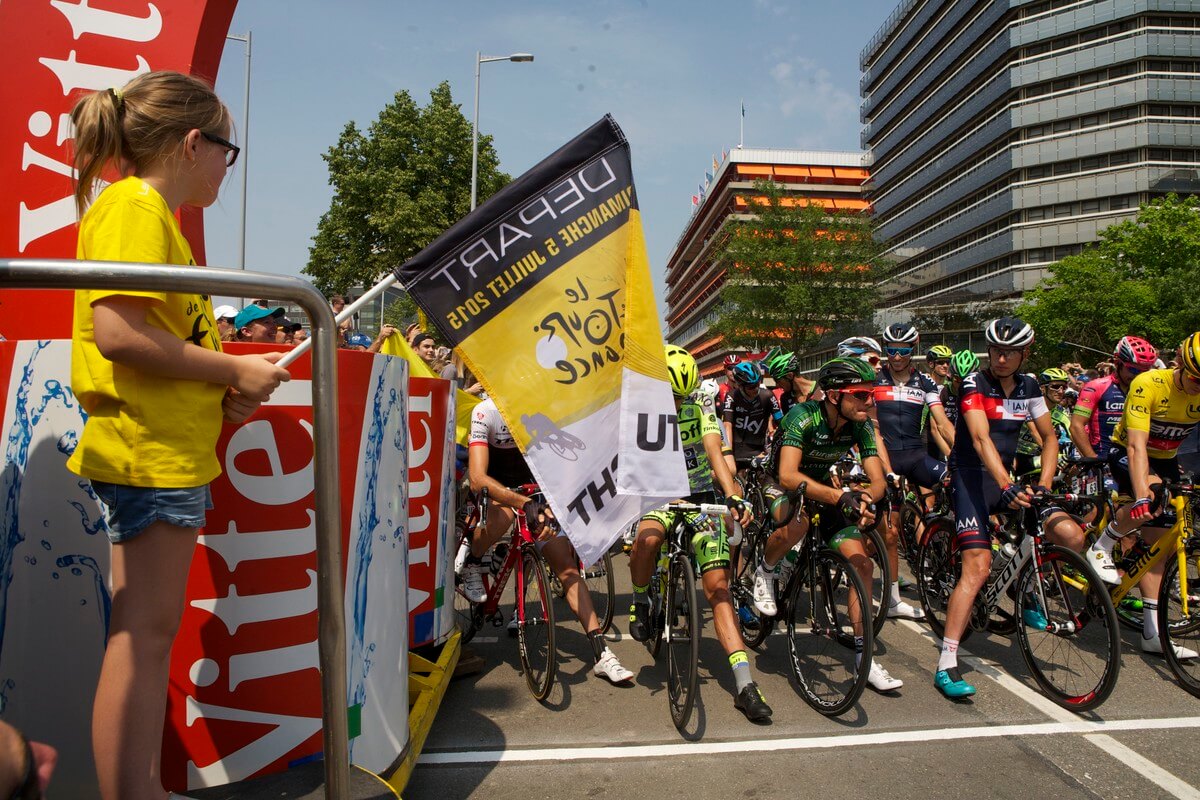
{"points": [[1054, 382], [700, 437], [815, 436]]}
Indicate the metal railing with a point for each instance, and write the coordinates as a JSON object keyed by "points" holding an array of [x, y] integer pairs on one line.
{"points": [[331, 636]]}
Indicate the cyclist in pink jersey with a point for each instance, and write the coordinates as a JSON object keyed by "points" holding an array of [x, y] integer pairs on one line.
{"points": [[1101, 402]]}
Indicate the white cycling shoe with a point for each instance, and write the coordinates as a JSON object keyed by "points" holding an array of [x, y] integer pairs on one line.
{"points": [[881, 680], [609, 667], [764, 592], [1153, 645], [1101, 561], [903, 610], [472, 583]]}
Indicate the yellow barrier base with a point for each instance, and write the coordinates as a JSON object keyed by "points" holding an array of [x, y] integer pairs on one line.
{"points": [[427, 682]]}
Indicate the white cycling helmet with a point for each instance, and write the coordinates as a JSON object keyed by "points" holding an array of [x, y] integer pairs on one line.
{"points": [[900, 333], [1008, 332], [857, 345], [709, 387]]}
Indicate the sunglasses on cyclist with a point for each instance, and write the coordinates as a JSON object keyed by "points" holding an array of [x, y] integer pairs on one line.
{"points": [[899, 351], [941, 362], [1136, 369], [860, 393], [1056, 387]]}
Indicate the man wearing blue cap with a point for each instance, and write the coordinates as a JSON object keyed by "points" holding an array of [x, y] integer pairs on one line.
{"points": [[257, 324]]}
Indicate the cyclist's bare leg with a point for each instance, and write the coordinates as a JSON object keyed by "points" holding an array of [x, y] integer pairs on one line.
{"points": [[976, 566], [1151, 582], [891, 539], [498, 521], [783, 539], [561, 557], [645, 551], [716, 590], [1063, 530], [854, 551]]}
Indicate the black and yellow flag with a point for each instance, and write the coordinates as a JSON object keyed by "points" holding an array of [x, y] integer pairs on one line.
{"points": [[545, 292]]}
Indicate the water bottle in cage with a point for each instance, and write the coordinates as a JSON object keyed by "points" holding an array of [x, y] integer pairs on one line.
{"points": [[499, 553], [788, 563]]}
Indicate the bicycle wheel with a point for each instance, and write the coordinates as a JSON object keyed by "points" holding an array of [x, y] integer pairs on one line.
{"points": [[535, 627], [938, 569], [753, 626], [881, 576], [1071, 644], [829, 671], [1176, 627], [602, 586], [683, 640]]}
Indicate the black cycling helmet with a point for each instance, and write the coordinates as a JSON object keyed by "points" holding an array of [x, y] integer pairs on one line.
{"points": [[1008, 332], [900, 333], [842, 372]]}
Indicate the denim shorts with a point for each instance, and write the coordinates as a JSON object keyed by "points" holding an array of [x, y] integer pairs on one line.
{"points": [[132, 509]]}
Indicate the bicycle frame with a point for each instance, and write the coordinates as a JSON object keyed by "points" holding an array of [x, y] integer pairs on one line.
{"points": [[490, 607]]}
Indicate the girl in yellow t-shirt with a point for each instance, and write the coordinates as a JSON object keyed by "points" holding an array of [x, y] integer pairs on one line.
{"points": [[148, 369]]}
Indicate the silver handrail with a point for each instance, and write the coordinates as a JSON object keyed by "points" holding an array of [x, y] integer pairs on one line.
{"points": [[331, 625]]}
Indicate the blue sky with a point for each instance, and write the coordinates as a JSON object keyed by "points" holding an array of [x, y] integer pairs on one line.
{"points": [[672, 74]]}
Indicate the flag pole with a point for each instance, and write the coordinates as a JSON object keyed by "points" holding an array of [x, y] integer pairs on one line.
{"points": [[349, 310], [742, 126]]}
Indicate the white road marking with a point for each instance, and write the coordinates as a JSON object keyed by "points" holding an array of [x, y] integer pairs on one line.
{"points": [[1127, 756], [1076, 725]]}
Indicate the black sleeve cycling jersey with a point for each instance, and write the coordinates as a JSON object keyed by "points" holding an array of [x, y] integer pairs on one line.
{"points": [[505, 461], [749, 416]]}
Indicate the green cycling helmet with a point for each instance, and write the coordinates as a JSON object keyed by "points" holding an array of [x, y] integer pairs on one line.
{"points": [[1053, 374], [842, 372], [781, 364], [938, 351], [963, 363]]}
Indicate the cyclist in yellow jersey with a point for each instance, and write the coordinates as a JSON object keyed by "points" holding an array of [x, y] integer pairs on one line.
{"points": [[1162, 407]]}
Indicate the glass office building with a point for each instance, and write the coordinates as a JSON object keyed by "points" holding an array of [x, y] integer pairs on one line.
{"points": [[1005, 134]]}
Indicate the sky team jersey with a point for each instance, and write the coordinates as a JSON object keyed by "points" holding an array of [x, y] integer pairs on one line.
{"points": [[749, 416], [505, 462], [1101, 402], [949, 404], [1005, 414], [1159, 407], [694, 424], [785, 399], [805, 427], [900, 408]]}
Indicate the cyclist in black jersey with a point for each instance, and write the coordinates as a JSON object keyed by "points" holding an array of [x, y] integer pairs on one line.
{"points": [[791, 388], [750, 413], [937, 363], [995, 403]]}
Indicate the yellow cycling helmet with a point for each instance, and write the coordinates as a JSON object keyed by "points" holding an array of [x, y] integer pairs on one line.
{"points": [[685, 375], [1189, 355]]}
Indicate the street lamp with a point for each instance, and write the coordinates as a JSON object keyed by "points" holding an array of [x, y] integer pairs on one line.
{"points": [[480, 58], [245, 137]]}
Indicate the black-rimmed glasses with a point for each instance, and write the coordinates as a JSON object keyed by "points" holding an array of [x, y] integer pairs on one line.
{"points": [[231, 149]]}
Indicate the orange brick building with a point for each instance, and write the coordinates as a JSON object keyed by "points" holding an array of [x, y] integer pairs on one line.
{"points": [[694, 277]]}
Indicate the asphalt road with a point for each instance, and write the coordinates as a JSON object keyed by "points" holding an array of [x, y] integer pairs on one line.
{"points": [[591, 739]]}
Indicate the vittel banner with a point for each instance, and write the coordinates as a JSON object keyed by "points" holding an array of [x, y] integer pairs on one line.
{"points": [[50, 51], [245, 694]]}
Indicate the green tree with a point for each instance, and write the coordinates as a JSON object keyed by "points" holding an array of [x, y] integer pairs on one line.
{"points": [[396, 189], [1139, 279], [400, 312], [794, 272]]}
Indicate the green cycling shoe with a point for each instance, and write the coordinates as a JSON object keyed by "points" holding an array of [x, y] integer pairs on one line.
{"points": [[951, 684]]}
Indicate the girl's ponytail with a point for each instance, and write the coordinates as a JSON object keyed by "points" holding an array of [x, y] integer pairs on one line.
{"points": [[99, 140]]}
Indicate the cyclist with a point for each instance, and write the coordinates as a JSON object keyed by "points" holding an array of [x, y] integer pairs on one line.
{"points": [[962, 364], [861, 347], [937, 362], [729, 362], [700, 437], [902, 396], [1101, 402], [495, 463], [995, 403], [816, 434], [791, 388], [1161, 410], [750, 414], [1053, 382]]}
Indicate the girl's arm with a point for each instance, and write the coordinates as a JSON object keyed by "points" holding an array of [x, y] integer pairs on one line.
{"points": [[125, 337]]}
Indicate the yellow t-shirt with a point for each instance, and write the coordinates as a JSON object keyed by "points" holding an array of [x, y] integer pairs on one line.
{"points": [[1156, 405], [142, 430]]}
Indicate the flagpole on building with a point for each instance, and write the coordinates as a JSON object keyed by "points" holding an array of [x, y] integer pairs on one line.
{"points": [[742, 126]]}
